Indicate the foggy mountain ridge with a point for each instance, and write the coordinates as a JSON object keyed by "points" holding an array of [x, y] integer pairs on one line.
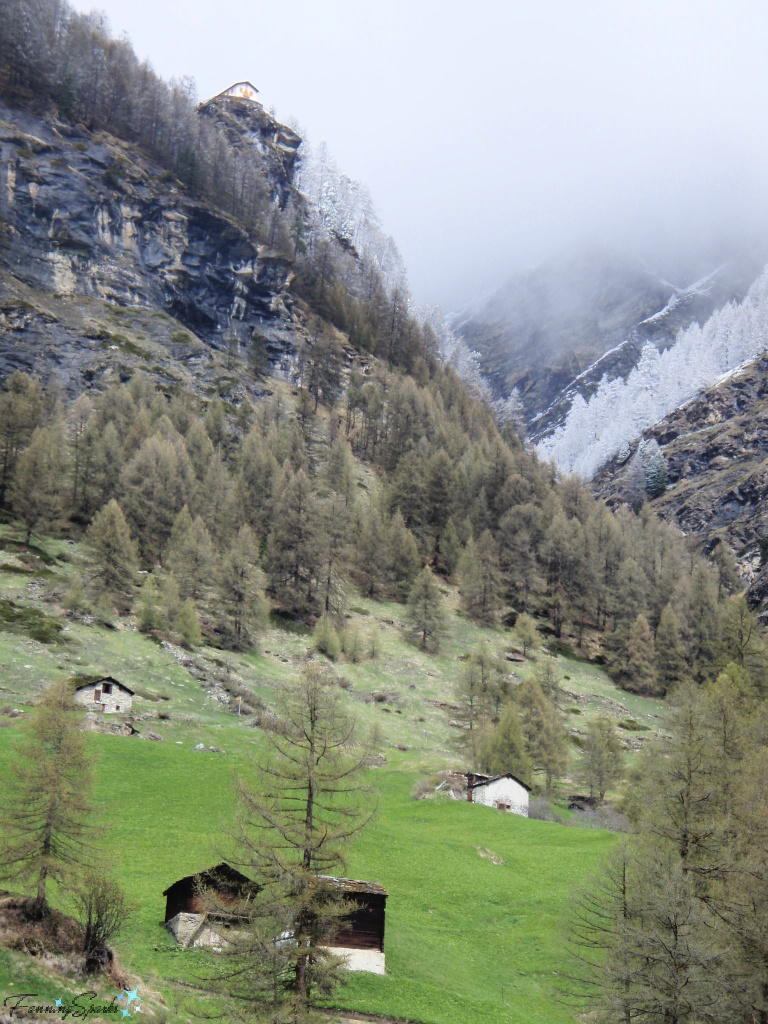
{"points": [[554, 333]]}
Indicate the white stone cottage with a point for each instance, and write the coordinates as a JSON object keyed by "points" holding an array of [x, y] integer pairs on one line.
{"points": [[505, 792], [105, 694]]}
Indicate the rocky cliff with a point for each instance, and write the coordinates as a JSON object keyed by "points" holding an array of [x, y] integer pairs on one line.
{"points": [[716, 453], [90, 230]]}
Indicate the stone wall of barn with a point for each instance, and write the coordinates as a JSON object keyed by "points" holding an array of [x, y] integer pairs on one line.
{"points": [[118, 700]]}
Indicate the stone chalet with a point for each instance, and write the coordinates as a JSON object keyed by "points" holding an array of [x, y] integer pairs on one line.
{"points": [[359, 938], [105, 694], [506, 792]]}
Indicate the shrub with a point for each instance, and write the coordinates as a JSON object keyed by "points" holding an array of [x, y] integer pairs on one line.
{"points": [[540, 810], [326, 639]]}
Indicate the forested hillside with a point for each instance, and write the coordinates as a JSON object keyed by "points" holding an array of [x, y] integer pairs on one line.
{"points": [[241, 475]]}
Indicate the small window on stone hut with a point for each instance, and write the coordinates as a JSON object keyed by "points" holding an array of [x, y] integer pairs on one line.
{"points": [[97, 696], [106, 688]]}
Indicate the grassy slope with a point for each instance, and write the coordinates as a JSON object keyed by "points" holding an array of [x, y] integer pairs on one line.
{"points": [[459, 927]]}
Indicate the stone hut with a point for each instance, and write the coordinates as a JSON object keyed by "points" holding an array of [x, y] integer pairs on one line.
{"points": [[506, 792], [105, 694]]}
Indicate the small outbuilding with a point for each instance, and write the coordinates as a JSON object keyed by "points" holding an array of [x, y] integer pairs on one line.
{"points": [[105, 694], [359, 939], [506, 792], [186, 916]]}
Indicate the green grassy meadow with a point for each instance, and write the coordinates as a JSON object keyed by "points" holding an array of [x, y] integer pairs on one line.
{"points": [[467, 939]]}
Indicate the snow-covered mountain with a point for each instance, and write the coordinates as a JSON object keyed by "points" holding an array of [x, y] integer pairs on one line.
{"points": [[584, 341]]}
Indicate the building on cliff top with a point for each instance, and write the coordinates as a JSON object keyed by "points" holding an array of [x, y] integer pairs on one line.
{"points": [[359, 938], [239, 91]]}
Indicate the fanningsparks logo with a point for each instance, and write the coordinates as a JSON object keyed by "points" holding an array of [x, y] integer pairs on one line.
{"points": [[78, 1007]]}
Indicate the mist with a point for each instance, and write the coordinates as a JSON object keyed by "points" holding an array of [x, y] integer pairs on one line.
{"points": [[496, 134]]}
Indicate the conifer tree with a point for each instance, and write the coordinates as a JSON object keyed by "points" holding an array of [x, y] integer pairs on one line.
{"points": [[115, 562], [503, 748], [526, 632], [670, 661], [46, 813], [482, 688], [293, 547], [297, 810], [542, 731], [450, 549], [188, 625], [602, 763], [480, 578], [641, 658], [241, 595], [190, 555], [404, 561], [39, 485], [425, 611]]}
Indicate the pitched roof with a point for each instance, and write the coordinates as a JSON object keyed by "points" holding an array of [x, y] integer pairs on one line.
{"points": [[355, 885], [234, 85], [89, 683], [218, 873], [507, 775]]}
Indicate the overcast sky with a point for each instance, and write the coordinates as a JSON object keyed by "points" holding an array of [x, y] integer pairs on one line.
{"points": [[494, 133]]}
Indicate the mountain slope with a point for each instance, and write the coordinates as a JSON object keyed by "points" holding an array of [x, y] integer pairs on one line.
{"points": [[716, 453], [554, 332]]}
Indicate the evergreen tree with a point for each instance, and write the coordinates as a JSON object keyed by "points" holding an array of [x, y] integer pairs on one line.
{"points": [[115, 563], [602, 764], [425, 611], [39, 486], [544, 736], [670, 662], [293, 547], [297, 810], [480, 579], [641, 658], [404, 561], [241, 595], [503, 749], [46, 814], [526, 632]]}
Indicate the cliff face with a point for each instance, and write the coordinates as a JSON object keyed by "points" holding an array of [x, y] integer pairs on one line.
{"points": [[86, 223], [716, 453]]}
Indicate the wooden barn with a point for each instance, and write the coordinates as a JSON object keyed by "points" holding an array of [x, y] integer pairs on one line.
{"points": [[185, 911], [105, 694], [506, 792], [360, 939]]}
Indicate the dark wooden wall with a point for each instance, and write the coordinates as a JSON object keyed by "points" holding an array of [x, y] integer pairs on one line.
{"points": [[364, 928]]}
